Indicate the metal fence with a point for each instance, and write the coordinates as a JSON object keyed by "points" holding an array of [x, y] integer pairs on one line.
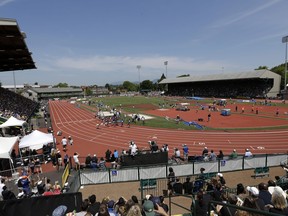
{"points": [[89, 176]]}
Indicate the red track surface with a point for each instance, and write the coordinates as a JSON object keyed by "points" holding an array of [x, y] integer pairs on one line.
{"points": [[81, 125]]}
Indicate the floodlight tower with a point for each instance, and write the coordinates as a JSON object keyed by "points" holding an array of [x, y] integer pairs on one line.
{"points": [[139, 67], [166, 64], [285, 40]]}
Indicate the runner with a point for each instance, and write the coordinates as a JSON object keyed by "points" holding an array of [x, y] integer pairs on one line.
{"points": [[70, 140], [64, 143]]}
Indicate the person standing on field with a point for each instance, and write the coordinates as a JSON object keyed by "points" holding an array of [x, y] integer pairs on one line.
{"points": [[70, 140]]}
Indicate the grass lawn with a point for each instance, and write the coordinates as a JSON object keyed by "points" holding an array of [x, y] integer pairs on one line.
{"points": [[140, 104]]}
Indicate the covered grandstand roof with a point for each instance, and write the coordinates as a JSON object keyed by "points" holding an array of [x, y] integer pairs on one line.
{"points": [[14, 53], [56, 90], [225, 76]]}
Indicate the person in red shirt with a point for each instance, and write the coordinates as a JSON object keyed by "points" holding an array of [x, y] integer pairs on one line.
{"points": [[48, 192]]}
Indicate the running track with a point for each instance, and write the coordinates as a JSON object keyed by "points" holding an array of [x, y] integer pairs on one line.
{"points": [[81, 125]]}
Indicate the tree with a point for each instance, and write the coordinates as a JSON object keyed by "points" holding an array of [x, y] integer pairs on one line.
{"points": [[108, 86], [61, 85], [129, 86], [160, 87], [280, 69], [184, 75], [146, 84], [88, 91], [262, 68], [162, 77]]}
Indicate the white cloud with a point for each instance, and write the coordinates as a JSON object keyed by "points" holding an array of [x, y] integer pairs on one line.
{"points": [[244, 15], [4, 2], [128, 63], [109, 69]]}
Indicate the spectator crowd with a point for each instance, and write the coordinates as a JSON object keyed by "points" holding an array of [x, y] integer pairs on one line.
{"points": [[13, 104]]}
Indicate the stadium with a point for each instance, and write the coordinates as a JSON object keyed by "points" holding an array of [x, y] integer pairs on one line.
{"points": [[252, 84], [146, 172]]}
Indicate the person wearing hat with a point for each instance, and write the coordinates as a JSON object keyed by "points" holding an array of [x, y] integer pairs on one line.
{"points": [[221, 179], [111, 209], [253, 191], [148, 208], [248, 153], [254, 194], [234, 154]]}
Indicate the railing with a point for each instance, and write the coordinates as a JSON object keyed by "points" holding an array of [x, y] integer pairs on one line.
{"points": [[89, 176], [213, 204], [172, 202]]}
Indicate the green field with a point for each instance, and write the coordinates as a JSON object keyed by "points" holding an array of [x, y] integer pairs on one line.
{"points": [[137, 104], [130, 105]]}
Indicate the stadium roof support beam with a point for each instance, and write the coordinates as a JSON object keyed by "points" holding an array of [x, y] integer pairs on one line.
{"points": [[14, 53]]}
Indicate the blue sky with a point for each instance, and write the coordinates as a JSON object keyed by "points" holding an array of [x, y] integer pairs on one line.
{"points": [[102, 41]]}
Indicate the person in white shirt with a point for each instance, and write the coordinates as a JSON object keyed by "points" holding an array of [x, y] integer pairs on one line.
{"points": [[64, 143], [70, 140], [248, 153], [177, 153], [76, 160], [2, 184], [133, 148]]}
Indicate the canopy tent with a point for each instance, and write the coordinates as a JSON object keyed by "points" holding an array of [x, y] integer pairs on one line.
{"points": [[6, 146], [12, 121], [36, 140]]}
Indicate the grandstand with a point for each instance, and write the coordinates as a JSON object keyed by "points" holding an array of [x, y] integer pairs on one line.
{"points": [[252, 84], [13, 104], [14, 56], [38, 94]]}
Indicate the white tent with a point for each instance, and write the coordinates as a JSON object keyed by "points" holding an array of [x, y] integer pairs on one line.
{"points": [[6, 146], [36, 140], [12, 121]]}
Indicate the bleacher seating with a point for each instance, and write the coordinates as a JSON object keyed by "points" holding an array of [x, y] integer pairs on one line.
{"points": [[148, 183], [261, 172]]}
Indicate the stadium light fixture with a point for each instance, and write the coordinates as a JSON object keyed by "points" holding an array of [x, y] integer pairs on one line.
{"points": [[166, 64], [285, 40], [139, 67]]}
